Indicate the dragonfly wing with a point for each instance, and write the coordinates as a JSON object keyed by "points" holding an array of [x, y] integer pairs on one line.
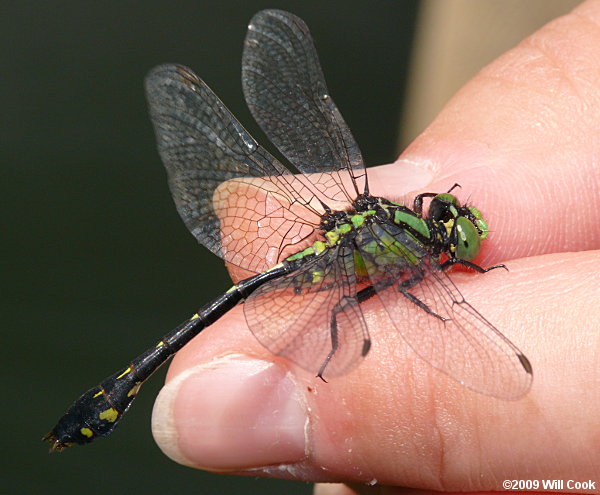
{"points": [[462, 343], [292, 316], [285, 89], [219, 176]]}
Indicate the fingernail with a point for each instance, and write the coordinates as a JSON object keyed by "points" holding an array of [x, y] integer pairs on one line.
{"points": [[231, 414], [409, 175], [420, 171]]}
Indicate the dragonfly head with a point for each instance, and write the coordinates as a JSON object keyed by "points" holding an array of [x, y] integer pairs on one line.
{"points": [[465, 227]]}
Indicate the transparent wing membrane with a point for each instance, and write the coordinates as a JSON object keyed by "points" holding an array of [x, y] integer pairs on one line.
{"points": [[300, 315], [444, 329], [203, 146], [286, 92]]}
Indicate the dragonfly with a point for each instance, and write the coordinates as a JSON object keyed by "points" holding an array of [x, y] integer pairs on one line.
{"points": [[319, 243]]}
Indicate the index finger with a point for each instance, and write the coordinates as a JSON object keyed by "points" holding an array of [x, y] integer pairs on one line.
{"points": [[530, 160]]}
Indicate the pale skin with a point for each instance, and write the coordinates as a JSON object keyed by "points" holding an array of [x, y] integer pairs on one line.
{"points": [[523, 140]]}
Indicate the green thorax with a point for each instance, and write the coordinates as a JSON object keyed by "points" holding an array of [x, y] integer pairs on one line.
{"points": [[343, 227], [448, 228]]}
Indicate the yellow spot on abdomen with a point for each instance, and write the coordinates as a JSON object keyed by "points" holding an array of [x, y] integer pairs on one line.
{"points": [[109, 415], [86, 432], [134, 390], [195, 317], [128, 370], [98, 394]]}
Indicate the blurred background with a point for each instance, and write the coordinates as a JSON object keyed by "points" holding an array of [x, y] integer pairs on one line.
{"points": [[97, 263]]}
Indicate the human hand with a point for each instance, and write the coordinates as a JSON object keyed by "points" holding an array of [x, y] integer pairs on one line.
{"points": [[522, 140]]}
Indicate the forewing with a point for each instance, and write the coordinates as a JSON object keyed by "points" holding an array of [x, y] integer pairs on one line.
{"points": [[465, 346], [285, 89], [292, 316], [202, 145]]}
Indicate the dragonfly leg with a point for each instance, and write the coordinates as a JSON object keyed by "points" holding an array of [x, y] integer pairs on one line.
{"points": [[405, 285], [454, 261], [418, 201], [345, 302]]}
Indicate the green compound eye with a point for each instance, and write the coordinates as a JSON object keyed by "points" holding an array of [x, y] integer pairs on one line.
{"points": [[481, 223], [450, 198], [469, 241]]}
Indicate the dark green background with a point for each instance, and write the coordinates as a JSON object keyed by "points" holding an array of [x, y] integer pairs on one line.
{"points": [[97, 263]]}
